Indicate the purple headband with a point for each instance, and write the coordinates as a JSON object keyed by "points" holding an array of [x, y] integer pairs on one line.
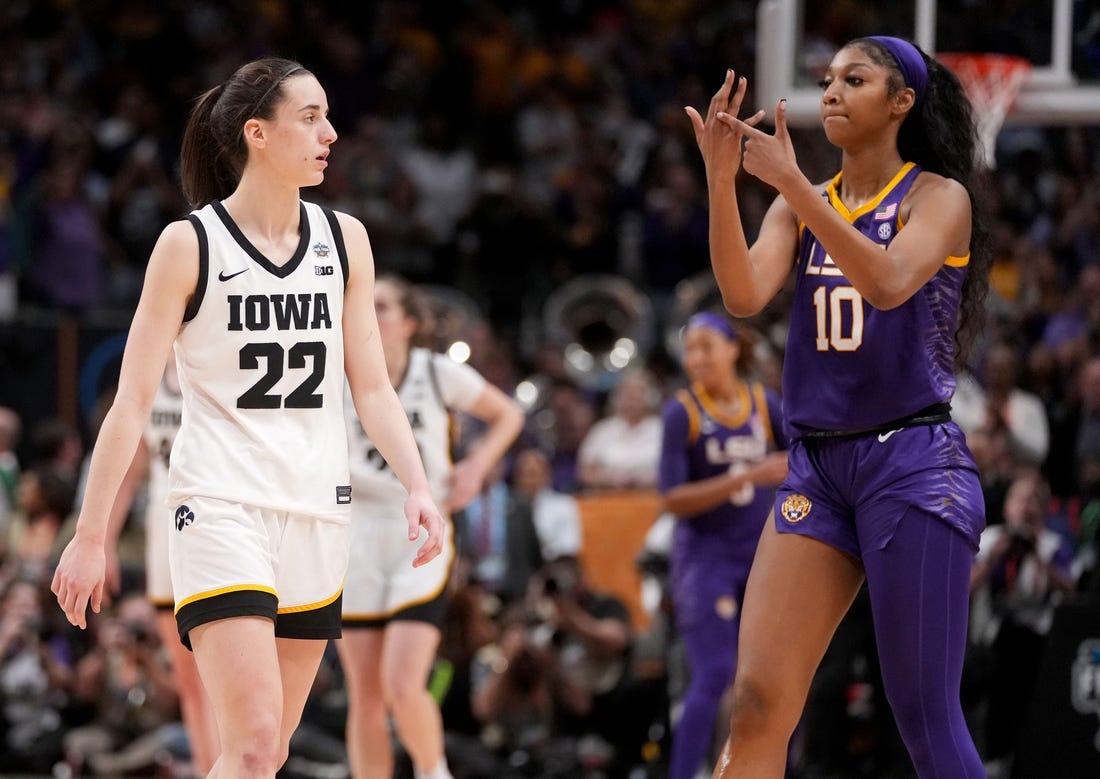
{"points": [[914, 70], [715, 322]]}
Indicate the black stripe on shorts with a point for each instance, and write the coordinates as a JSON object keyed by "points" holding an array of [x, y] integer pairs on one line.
{"points": [[239, 603], [319, 623], [431, 611]]}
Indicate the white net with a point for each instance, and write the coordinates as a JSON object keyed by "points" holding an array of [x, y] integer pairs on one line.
{"points": [[992, 82]]}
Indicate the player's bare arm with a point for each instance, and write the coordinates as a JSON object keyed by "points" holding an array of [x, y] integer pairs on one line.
{"points": [[169, 283]]}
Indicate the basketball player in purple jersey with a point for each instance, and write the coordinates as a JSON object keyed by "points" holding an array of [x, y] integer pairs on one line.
{"points": [[891, 259], [719, 467]]}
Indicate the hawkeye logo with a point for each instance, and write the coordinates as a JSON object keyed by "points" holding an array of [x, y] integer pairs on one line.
{"points": [[795, 508], [184, 517]]}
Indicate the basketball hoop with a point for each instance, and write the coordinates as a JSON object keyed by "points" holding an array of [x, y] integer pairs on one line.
{"points": [[992, 82]]}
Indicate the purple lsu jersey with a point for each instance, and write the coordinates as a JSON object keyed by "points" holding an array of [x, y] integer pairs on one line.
{"points": [[700, 442], [850, 366]]}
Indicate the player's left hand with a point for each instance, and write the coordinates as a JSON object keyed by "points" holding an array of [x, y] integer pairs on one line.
{"points": [[770, 158], [78, 579], [465, 483], [720, 143], [421, 512]]}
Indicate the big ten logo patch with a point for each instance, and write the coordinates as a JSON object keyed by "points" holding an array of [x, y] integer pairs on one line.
{"points": [[184, 517]]}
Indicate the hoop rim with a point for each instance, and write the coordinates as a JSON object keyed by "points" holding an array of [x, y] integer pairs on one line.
{"points": [[992, 82]]}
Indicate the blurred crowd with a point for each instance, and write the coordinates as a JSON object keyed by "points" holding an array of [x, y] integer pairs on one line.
{"points": [[498, 150]]}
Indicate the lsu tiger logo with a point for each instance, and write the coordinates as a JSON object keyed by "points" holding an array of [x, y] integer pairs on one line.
{"points": [[795, 508]]}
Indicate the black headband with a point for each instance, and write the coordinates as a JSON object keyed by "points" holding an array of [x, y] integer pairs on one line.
{"points": [[275, 83]]}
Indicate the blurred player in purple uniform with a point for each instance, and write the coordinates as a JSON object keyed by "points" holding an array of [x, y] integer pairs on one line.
{"points": [[719, 467], [890, 259]]}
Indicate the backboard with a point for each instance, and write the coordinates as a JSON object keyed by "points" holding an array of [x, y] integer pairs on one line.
{"points": [[796, 39]]}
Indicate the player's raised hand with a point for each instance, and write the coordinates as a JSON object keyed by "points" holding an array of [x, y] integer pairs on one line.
{"points": [[770, 158], [421, 512], [720, 142]]}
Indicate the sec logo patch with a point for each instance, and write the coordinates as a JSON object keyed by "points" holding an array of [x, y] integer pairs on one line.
{"points": [[795, 508]]}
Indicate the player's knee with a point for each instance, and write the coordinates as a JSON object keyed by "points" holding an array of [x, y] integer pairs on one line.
{"points": [[399, 690], [257, 744], [369, 707], [757, 710]]}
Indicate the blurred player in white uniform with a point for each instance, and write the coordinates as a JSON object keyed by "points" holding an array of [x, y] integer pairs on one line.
{"points": [[392, 612]]}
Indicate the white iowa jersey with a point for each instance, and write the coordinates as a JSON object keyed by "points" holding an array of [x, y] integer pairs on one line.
{"points": [[159, 436], [261, 365], [433, 385]]}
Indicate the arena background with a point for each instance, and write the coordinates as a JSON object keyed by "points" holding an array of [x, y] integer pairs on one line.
{"points": [[498, 152]]}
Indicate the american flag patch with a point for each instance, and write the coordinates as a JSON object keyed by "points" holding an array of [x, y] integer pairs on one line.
{"points": [[886, 212]]}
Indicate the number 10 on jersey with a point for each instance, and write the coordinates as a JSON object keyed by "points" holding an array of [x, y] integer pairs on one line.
{"points": [[829, 307]]}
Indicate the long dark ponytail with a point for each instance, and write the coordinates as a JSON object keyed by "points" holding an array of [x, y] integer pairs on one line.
{"points": [[213, 152], [940, 135]]}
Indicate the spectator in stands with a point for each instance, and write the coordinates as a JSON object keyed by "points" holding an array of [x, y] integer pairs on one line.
{"points": [[143, 196], [572, 414], [34, 682], [69, 254], [10, 427], [1081, 426], [1021, 570], [46, 499], [556, 515], [443, 174], [520, 696], [59, 443], [999, 403], [127, 680], [497, 534], [622, 450], [592, 635], [674, 229], [993, 456], [548, 135]]}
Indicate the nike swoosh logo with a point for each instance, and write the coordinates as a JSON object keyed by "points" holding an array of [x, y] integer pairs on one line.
{"points": [[223, 277], [883, 437]]}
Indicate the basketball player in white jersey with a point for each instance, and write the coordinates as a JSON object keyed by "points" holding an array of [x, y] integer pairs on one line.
{"points": [[251, 290], [393, 612], [150, 466]]}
